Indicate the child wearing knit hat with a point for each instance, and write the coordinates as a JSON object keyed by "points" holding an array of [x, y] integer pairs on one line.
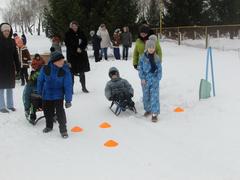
{"points": [[55, 85], [150, 73]]}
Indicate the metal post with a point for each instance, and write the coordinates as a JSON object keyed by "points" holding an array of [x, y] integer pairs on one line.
{"points": [[206, 34], [161, 18], [179, 38]]}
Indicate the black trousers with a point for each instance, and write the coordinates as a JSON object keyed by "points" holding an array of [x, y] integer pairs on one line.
{"points": [[97, 55], [82, 79], [125, 52], [24, 75], [49, 109]]}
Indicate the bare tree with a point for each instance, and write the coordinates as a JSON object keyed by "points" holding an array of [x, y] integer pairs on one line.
{"points": [[24, 14]]}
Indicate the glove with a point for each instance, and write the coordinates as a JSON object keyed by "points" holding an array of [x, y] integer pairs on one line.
{"points": [[68, 104], [36, 96], [79, 50], [143, 82], [113, 98], [136, 67]]}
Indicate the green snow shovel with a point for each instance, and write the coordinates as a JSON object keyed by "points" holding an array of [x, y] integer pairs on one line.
{"points": [[205, 85], [205, 89]]}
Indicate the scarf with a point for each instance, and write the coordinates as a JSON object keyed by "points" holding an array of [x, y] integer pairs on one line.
{"points": [[152, 62]]}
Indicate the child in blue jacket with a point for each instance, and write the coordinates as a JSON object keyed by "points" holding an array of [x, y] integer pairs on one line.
{"points": [[55, 85], [150, 73]]}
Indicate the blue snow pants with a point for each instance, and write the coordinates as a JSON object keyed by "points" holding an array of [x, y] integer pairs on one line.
{"points": [[151, 96]]}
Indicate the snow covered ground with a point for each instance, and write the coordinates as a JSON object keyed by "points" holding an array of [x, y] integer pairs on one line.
{"points": [[201, 143]]}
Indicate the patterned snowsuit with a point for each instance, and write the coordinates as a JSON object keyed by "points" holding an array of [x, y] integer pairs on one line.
{"points": [[151, 89]]}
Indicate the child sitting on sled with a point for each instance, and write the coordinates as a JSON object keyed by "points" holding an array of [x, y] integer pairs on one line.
{"points": [[119, 90], [31, 87]]}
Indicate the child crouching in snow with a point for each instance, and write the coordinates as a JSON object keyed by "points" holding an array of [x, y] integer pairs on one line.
{"points": [[118, 89], [150, 73], [55, 84]]}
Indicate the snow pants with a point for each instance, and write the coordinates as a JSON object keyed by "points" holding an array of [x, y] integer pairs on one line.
{"points": [[151, 96], [49, 108]]}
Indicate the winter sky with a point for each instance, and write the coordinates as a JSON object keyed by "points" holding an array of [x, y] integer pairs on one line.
{"points": [[3, 4]]}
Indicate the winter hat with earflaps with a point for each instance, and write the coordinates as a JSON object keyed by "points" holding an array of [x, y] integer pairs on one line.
{"points": [[5, 27], [113, 71], [153, 37], [92, 33], [117, 30], [56, 56], [150, 44]]}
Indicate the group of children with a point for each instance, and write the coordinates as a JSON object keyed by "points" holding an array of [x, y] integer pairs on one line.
{"points": [[52, 83], [150, 74]]}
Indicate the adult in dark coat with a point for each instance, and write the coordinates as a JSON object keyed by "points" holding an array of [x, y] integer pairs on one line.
{"points": [[76, 43], [9, 65]]}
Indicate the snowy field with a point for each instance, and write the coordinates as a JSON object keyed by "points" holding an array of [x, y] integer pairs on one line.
{"points": [[202, 143]]}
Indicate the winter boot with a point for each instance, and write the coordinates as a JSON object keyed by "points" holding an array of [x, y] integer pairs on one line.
{"points": [[154, 118], [47, 130], [12, 109], [33, 118], [83, 83], [4, 110], [64, 135], [27, 113], [22, 82], [146, 114]]}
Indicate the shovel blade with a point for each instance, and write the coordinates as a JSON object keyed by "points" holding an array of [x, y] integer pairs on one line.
{"points": [[205, 89]]}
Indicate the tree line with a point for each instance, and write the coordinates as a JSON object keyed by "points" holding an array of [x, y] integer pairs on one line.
{"points": [[201, 12], [54, 16]]}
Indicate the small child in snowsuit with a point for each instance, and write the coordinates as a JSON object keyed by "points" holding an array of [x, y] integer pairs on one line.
{"points": [[24, 58], [96, 43], [150, 73], [56, 44], [31, 87], [118, 89], [54, 85], [116, 44]]}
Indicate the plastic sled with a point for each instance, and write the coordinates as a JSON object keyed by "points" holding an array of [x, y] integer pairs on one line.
{"points": [[117, 108]]}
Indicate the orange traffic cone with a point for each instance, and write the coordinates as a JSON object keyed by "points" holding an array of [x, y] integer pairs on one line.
{"points": [[111, 143], [178, 109], [76, 129], [105, 125]]}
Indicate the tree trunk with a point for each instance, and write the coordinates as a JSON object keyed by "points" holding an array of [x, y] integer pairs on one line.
{"points": [[39, 26]]}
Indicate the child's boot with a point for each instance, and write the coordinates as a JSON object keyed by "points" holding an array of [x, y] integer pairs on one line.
{"points": [[47, 130], [146, 114], [154, 118], [64, 135], [33, 118]]}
